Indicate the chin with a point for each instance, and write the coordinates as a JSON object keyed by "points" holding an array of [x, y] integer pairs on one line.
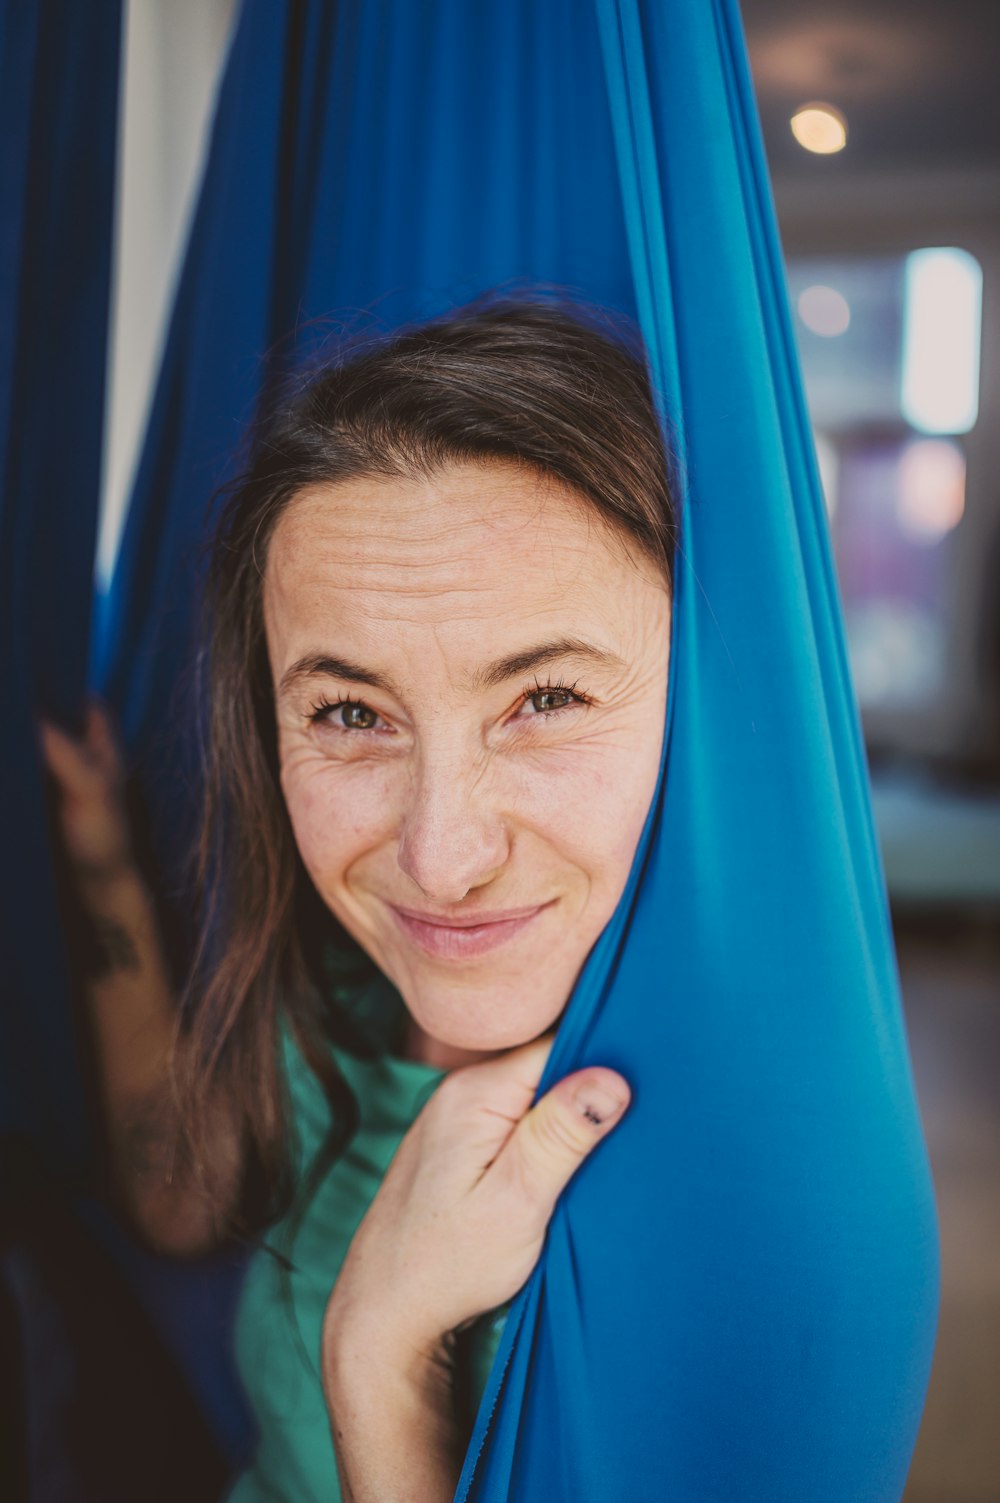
{"points": [[486, 1026]]}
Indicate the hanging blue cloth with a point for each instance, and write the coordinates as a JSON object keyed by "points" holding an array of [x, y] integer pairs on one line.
{"points": [[58, 115], [743, 1288], [738, 1293]]}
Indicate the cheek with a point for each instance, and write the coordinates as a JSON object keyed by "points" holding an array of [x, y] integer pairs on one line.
{"points": [[336, 815], [594, 805]]}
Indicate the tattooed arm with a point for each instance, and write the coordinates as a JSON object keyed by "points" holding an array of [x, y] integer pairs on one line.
{"points": [[129, 1000]]}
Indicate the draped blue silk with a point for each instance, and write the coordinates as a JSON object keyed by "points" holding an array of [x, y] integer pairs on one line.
{"points": [[58, 114], [738, 1293]]}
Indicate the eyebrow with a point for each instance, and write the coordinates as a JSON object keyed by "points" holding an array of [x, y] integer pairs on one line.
{"points": [[486, 677]]}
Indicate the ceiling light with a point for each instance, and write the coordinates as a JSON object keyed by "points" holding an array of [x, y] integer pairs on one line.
{"points": [[824, 310], [820, 128]]}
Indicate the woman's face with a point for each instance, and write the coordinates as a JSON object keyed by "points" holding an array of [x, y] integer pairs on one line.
{"points": [[506, 666]]}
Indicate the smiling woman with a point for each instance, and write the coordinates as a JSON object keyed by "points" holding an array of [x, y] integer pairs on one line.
{"points": [[436, 669], [477, 797], [440, 622]]}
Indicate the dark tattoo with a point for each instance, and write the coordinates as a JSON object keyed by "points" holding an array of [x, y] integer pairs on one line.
{"points": [[108, 948], [150, 1146]]}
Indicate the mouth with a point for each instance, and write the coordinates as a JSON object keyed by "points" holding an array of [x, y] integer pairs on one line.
{"points": [[463, 940]]}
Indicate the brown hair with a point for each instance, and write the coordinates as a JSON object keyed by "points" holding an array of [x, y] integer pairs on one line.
{"points": [[561, 388]]}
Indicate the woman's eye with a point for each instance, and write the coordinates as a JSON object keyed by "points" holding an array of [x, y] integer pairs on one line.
{"points": [[354, 715], [549, 699]]}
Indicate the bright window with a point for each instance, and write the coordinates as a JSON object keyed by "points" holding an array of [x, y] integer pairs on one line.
{"points": [[890, 356]]}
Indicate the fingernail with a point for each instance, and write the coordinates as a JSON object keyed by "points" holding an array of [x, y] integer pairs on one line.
{"points": [[596, 1103]]}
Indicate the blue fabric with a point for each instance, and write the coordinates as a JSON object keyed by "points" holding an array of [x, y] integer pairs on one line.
{"points": [[58, 112], [59, 95], [738, 1293], [743, 1284]]}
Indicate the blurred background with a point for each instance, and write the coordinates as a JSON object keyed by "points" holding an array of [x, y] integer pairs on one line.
{"points": [[882, 126]]}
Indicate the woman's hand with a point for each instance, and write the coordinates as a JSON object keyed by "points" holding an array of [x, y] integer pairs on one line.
{"points": [[455, 1229], [90, 777], [458, 1222], [129, 1000]]}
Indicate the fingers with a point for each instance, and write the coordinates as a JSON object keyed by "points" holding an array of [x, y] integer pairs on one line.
{"points": [[509, 1081], [527, 1061], [101, 736], [556, 1135], [80, 763], [66, 759]]}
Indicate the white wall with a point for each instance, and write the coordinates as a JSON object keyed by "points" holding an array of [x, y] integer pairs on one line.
{"points": [[172, 54]]}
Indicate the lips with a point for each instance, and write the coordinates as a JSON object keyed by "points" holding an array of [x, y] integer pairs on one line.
{"points": [[468, 920], [464, 939]]}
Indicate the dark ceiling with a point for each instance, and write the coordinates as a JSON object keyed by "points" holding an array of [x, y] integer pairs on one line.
{"points": [[918, 80]]}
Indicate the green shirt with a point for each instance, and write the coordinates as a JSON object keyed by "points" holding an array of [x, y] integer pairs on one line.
{"points": [[281, 1311]]}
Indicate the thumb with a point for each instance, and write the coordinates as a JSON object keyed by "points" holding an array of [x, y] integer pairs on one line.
{"points": [[552, 1139]]}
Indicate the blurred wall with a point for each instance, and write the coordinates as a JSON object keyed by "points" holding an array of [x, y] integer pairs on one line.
{"points": [[173, 50], [895, 211]]}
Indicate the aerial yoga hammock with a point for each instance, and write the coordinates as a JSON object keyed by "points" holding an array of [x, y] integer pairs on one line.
{"points": [[58, 107], [738, 1293]]}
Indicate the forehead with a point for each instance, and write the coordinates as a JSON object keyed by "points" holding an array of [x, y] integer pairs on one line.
{"points": [[490, 542]]}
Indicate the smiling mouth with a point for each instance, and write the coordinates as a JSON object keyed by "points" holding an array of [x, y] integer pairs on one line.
{"points": [[465, 940]]}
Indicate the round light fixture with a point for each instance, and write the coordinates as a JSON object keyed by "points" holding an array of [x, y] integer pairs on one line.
{"points": [[824, 310], [820, 128]]}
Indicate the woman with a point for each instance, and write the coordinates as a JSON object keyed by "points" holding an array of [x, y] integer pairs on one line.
{"points": [[437, 676]]}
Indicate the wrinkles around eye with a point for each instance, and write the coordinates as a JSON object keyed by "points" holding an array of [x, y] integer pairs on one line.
{"points": [[325, 712]]}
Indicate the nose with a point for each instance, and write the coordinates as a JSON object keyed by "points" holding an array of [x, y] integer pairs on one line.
{"points": [[453, 837]]}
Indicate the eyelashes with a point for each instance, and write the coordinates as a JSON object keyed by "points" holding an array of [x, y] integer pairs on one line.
{"points": [[325, 709], [577, 696]]}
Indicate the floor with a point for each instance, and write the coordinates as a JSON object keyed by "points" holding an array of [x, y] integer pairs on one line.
{"points": [[950, 974]]}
